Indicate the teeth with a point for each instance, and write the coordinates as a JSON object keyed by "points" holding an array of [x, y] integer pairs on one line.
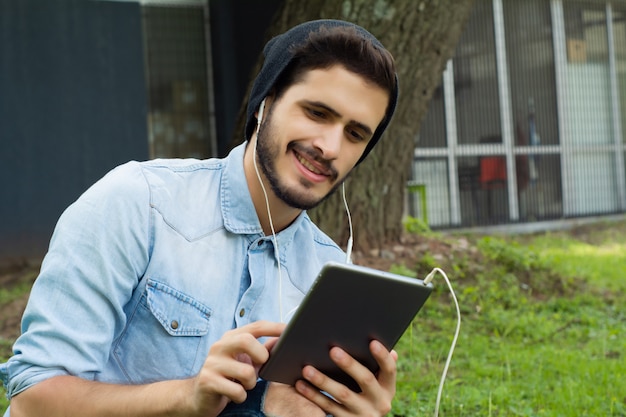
{"points": [[308, 165]]}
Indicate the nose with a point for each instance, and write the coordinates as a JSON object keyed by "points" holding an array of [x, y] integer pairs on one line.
{"points": [[328, 142]]}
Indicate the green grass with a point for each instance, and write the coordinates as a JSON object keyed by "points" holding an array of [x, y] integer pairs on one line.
{"points": [[5, 348], [4, 402], [543, 333], [7, 295]]}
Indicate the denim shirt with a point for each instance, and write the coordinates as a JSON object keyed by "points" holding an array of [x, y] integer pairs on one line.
{"points": [[151, 266]]}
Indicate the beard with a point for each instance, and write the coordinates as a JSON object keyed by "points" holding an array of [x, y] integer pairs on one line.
{"points": [[268, 151]]}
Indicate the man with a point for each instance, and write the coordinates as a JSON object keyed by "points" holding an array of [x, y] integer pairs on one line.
{"points": [[168, 281]]}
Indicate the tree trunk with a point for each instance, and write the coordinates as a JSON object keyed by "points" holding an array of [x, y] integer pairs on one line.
{"points": [[422, 36]]}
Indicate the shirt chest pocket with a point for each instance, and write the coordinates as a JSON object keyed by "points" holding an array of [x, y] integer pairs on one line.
{"points": [[178, 313], [163, 337]]}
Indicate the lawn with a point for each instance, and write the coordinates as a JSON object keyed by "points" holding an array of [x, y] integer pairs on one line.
{"points": [[543, 328], [543, 324]]}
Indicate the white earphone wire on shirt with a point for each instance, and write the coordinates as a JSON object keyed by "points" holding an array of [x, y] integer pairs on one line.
{"points": [[269, 214], [350, 238]]}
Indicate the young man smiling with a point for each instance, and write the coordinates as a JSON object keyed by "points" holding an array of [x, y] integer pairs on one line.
{"points": [[168, 281], [313, 137]]}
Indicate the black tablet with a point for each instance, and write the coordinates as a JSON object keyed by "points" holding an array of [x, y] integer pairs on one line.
{"points": [[347, 306]]}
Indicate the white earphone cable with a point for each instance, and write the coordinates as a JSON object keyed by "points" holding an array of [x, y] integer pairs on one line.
{"points": [[269, 214], [427, 280], [350, 238]]}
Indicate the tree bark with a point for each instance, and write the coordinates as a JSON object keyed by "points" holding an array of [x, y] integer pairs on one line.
{"points": [[422, 36]]}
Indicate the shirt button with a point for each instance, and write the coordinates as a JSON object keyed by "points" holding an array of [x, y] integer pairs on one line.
{"points": [[242, 312], [174, 324]]}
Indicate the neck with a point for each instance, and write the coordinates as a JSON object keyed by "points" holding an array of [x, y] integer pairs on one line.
{"points": [[282, 214]]}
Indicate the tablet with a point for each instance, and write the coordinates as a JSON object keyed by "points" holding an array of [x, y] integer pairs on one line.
{"points": [[347, 306]]}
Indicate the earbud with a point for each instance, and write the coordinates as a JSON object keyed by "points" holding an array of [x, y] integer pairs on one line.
{"points": [[260, 117]]}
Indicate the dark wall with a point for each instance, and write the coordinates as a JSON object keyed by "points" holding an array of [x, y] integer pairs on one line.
{"points": [[72, 106], [238, 34]]}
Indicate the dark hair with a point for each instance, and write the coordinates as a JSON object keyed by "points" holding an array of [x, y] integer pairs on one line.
{"points": [[342, 45]]}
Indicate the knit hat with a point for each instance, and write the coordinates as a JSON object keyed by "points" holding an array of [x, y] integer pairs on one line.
{"points": [[278, 54]]}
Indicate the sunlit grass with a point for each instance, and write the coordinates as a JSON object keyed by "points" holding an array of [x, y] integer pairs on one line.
{"points": [[560, 353], [602, 265]]}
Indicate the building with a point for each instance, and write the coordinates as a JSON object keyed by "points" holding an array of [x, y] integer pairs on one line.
{"points": [[529, 122], [86, 85]]}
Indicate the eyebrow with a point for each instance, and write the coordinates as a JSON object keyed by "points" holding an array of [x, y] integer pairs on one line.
{"points": [[364, 127]]}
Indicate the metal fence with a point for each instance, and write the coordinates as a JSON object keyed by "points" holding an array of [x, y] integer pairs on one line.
{"points": [[528, 123]]}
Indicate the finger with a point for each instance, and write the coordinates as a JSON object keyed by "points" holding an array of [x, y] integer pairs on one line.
{"points": [[270, 343], [361, 374], [230, 369], [262, 328], [338, 391], [314, 395], [374, 395], [232, 390], [387, 365], [211, 384], [244, 340]]}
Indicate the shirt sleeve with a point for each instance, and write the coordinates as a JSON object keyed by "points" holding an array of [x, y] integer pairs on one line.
{"points": [[97, 254]]}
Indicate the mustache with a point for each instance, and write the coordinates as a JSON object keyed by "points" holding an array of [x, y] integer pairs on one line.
{"points": [[326, 164]]}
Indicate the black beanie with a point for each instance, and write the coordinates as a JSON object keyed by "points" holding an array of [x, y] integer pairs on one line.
{"points": [[278, 53]]}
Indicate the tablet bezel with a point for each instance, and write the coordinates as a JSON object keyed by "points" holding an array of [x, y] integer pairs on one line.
{"points": [[347, 306]]}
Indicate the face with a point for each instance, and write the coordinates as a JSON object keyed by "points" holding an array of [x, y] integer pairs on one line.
{"points": [[314, 134]]}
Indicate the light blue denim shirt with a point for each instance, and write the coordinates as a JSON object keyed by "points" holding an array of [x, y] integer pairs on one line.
{"points": [[150, 266]]}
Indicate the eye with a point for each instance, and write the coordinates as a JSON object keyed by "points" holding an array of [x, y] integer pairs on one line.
{"points": [[355, 135], [315, 114]]}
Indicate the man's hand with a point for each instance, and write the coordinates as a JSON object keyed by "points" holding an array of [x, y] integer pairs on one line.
{"points": [[231, 367], [284, 401], [377, 391]]}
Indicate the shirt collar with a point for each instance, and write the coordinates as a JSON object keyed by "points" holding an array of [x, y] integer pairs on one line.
{"points": [[237, 208]]}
